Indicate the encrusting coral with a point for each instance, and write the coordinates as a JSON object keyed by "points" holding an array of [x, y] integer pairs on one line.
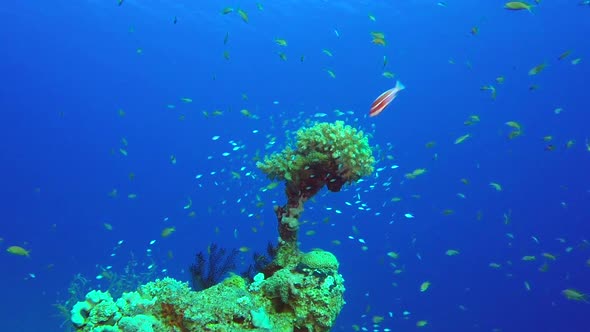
{"points": [[296, 292]]}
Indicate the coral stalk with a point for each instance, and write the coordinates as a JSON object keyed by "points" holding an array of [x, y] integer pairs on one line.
{"points": [[326, 154]]}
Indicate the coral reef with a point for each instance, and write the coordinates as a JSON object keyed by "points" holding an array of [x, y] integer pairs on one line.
{"points": [[299, 298], [295, 292]]}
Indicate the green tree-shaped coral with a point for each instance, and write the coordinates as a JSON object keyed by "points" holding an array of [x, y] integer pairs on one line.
{"points": [[330, 154]]}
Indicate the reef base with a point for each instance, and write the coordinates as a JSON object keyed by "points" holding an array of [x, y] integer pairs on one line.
{"points": [[302, 297]]}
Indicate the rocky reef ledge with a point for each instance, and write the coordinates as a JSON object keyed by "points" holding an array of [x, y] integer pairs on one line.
{"points": [[305, 296]]}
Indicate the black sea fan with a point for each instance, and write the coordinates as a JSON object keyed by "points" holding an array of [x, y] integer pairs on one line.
{"points": [[205, 274], [263, 263]]}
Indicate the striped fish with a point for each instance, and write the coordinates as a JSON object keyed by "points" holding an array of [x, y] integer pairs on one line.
{"points": [[385, 98]]}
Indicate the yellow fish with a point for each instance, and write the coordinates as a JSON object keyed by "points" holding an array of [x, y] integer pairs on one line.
{"points": [[564, 55], [490, 88], [415, 173], [19, 251], [515, 133], [514, 125], [473, 119], [281, 42], [388, 74], [462, 139], [243, 15], [518, 5], [379, 41], [452, 252], [271, 186], [430, 145], [393, 254], [419, 171], [168, 231], [574, 295], [378, 38], [537, 69], [424, 286], [496, 186], [379, 35], [448, 212]]}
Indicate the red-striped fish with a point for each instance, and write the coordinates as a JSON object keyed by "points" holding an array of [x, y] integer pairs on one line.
{"points": [[385, 98]]}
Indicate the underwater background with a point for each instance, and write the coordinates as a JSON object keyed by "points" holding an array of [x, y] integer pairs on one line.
{"points": [[130, 132]]}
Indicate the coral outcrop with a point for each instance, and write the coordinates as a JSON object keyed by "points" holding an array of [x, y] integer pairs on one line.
{"points": [[325, 154], [295, 292], [298, 298]]}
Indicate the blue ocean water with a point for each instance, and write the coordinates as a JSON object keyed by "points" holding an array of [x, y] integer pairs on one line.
{"points": [[119, 121]]}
